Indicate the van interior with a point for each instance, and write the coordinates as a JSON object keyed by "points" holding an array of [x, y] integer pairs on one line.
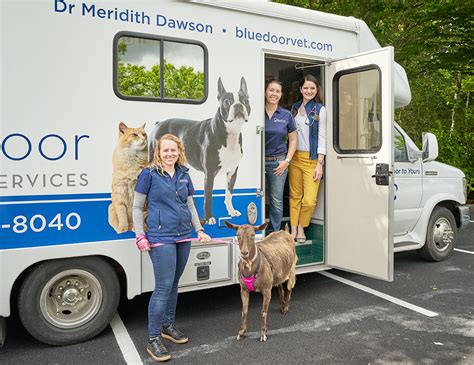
{"points": [[290, 71]]}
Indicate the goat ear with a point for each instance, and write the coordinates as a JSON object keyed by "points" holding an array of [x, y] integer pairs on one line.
{"points": [[260, 227], [230, 225]]}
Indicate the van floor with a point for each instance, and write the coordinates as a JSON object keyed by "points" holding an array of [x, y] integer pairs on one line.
{"points": [[311, 251]]}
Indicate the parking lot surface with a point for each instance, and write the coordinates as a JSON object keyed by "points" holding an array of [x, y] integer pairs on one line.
{"points": [[425, 316]]}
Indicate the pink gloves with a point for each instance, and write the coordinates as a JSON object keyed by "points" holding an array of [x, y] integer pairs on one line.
{"points": [[142, 243]]}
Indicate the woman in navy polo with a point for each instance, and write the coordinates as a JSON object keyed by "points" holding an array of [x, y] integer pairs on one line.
{"points": [[279, 126], [167, 188], [306, 169]]}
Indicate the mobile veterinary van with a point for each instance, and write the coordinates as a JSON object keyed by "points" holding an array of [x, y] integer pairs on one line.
{"points": [[77, 74]]}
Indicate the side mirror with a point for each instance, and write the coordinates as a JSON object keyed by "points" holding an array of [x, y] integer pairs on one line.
{"points": [[430, 147], [414, 155]]}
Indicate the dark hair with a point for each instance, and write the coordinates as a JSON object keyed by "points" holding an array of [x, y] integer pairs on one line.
{"points": [[271, 81], [314, 80]]}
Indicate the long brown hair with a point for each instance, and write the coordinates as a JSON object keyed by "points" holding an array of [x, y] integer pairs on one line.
{"points": [[318, 98], [156, 162]]}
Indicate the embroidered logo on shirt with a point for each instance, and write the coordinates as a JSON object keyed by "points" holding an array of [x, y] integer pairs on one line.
{"points": [[183, 181], [279, 120]]}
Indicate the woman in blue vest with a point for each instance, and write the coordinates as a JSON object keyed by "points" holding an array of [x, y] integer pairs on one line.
{"points": [[306, 168], [167, 188], [279, 127]]}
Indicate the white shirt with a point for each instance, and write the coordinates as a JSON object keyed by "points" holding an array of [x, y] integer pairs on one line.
{"points": [[303, 132]]}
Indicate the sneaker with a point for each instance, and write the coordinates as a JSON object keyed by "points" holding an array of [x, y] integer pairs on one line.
{"points": [[157, 350], [171, 333]]}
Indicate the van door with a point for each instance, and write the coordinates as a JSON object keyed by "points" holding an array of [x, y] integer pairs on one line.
{"points": [[359, 181]]}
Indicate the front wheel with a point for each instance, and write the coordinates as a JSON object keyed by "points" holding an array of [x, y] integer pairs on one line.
{"points": [[440, 236], [67, 301]]}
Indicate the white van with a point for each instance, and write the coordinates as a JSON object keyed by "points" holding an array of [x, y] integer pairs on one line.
{"points": [[77, 74]]}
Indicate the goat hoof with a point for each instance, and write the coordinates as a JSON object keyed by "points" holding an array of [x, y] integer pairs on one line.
{"points": [[263, 338], [240, 336]]}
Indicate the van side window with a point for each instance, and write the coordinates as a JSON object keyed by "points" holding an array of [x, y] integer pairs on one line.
{"points": [[159, 69], [400, 148], [357, 118]]}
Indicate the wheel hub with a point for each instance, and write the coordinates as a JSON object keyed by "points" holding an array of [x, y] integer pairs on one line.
{"points": [[69, 292], [71, 298], [443, 234]]}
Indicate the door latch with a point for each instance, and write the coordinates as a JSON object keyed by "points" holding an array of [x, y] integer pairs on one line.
{"points": [[382, 174]]}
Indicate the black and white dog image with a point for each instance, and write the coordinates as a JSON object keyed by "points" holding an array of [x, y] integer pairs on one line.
{"points": [[213, 146]]}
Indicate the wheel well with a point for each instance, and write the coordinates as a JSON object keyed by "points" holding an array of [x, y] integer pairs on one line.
{"points": [[451, 206], [19, 280]]}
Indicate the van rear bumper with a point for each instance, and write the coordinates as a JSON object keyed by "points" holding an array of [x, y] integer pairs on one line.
{"points": [[464, 216]]}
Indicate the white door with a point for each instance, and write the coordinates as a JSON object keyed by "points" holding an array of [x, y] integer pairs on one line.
{"points": [[359, 181]]}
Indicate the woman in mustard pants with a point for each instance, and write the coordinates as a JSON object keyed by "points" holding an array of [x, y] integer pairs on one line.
{"points": [[306, 168]]}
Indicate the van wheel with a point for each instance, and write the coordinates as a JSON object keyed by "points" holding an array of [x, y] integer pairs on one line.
{"points": [[63, 302], [440, 236]]}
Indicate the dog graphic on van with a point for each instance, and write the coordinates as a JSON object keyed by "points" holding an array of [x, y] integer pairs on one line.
{"points": [[213, 146]]}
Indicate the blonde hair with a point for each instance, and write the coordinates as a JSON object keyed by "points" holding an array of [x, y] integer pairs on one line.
{"points": [[156, 162]]}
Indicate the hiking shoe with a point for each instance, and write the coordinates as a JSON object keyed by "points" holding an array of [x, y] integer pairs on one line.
{"points": [[171, 333], [157, 350]]}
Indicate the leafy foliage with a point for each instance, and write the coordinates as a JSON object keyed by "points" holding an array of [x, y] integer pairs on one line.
{"points": [[179, 83], [433, 42]]}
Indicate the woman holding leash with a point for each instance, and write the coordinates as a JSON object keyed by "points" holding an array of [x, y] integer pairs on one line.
{"points": [[306, 169], [279, 126], [167, 188]]}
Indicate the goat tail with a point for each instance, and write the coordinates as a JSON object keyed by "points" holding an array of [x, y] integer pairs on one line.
{"points": [[287, 229]]}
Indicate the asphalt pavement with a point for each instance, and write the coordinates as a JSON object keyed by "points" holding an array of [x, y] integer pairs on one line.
{"points": [[329, 322]]}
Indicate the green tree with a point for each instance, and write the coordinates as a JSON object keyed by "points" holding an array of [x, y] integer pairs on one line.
{"points": [[179, 83], [433, 42], [183, 82]]}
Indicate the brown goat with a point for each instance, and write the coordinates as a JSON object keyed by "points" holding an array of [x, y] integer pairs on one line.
{"points": [[271, 262]]}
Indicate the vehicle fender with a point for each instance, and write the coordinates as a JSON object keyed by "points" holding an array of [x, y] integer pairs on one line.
{"points": [[14, 262], [420, 228]]}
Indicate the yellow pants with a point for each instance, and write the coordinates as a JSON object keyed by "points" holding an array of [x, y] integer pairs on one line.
{"points": [[303, 188]]}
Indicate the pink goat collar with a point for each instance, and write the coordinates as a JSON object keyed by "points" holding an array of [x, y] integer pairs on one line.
{"points": [[249, 281]]}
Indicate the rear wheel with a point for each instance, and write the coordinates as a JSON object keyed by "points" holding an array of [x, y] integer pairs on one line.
{"points": [[62, 302], [440, 236]]}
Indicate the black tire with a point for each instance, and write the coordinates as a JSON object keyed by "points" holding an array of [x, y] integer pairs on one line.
{"points": [[66, 301], [440, 236]]}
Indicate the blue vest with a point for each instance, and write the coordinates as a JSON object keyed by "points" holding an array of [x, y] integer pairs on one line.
{"points": [[168, 213], [312, 108]]}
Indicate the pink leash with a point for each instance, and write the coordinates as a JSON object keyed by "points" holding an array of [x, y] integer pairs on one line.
{"points": [[156, 244]]}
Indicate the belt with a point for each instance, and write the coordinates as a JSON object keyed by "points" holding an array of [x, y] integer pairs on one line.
{"points": [[274, 158]]}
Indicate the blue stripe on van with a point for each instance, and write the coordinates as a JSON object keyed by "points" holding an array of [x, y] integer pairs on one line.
{"points": [[23, 198], [29, 223]]}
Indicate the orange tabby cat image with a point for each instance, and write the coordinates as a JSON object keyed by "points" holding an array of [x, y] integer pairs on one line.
{"points": [[129, 158]]}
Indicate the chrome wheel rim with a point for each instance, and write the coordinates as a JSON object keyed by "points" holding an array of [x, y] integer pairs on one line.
{"points": [[71, 298], [443, 235]]}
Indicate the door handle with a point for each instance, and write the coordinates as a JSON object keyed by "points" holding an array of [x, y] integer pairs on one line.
{"points": [[382, 174]]}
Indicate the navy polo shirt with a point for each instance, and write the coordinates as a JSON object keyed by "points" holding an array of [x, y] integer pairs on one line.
{"points": [[276, 131], [168, 219]]}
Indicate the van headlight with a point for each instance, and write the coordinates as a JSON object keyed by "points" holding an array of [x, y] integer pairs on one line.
{"points": [[464, 185]]}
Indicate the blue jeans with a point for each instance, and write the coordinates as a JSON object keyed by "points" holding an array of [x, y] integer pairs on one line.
{"points": [[276, 185], [168, 262]]}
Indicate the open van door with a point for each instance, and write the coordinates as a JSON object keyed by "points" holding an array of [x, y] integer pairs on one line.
{"points": [[359, 181]]}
